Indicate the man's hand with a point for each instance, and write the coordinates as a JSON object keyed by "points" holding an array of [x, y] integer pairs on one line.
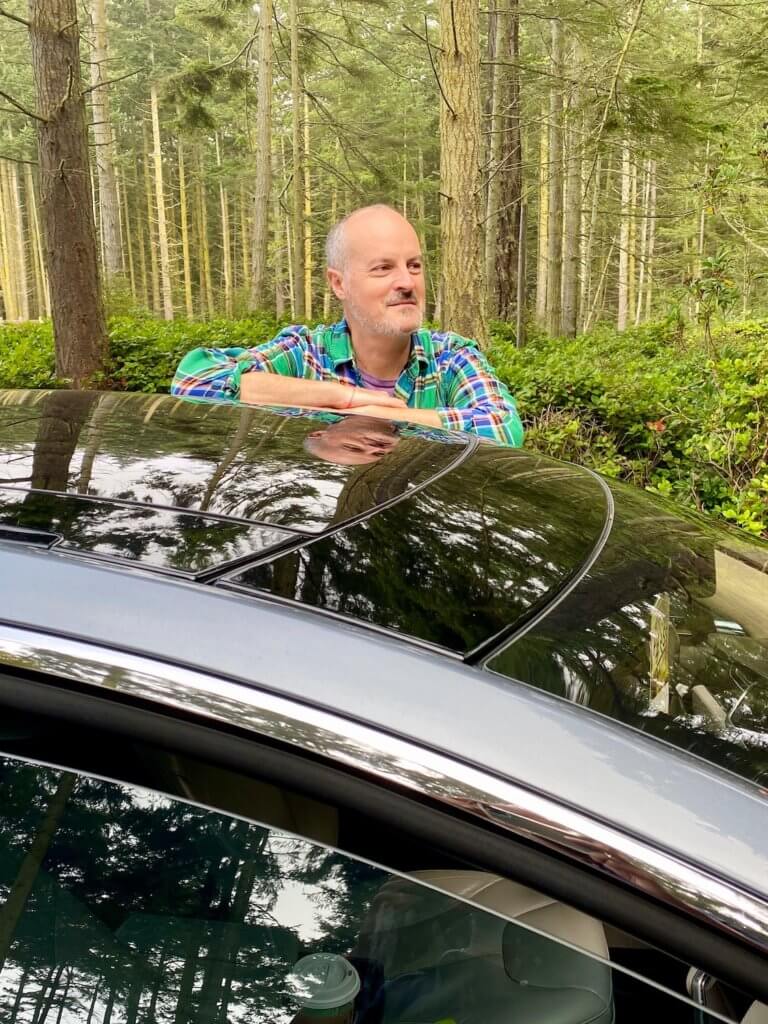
{"points": [[261, 388]]}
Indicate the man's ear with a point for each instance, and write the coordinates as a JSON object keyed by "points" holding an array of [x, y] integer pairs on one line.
{"points": [[336, 281]]}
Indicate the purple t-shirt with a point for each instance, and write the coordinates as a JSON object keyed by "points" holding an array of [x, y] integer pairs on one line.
{"points": [[377, 383]]}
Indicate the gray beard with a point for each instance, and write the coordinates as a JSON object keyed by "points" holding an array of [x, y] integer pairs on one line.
{"points": [[381, 327]]}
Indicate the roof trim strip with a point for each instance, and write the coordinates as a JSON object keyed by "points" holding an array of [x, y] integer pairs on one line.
{"points": [[393, 761]]}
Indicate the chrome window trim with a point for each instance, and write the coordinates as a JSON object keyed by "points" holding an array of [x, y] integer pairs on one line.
{"points": [[390, 759]]}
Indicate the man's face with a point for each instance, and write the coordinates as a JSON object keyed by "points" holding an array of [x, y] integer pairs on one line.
{"points": [[382, 283], [354, 441]]}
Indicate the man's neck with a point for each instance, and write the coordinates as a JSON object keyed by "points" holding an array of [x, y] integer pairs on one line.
{"points": [[382, 356]]}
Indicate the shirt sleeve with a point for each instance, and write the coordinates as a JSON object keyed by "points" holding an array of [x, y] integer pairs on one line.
{"points": [[216, 372], [476, 400]]}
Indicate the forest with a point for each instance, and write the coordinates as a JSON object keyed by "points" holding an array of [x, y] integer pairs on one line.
{"points": [[589, 182]]}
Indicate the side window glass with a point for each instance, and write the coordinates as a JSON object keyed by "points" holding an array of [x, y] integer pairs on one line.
{"points": [[125, 906]]}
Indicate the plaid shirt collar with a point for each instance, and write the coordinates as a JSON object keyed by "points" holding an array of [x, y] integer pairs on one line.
{"points": [[338, 344]]}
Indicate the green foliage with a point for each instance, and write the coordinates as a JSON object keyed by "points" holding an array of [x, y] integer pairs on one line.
{"points": [[647, 406], [713, 290], [643, 408], [26, 356]]}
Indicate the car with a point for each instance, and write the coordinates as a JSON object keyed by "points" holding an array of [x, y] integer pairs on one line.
{"points": [[482, 734]]}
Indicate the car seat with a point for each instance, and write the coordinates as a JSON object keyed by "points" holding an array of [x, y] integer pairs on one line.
{"points": [[443, 959]]}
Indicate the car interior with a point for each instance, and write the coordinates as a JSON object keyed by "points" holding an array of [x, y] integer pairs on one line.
{"points": [[433, 939]]}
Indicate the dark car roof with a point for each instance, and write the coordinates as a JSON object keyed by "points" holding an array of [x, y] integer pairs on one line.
{"points": [[538, 571], [443, 540]]}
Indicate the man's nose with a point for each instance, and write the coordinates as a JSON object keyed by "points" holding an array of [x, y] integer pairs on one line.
{"points": [[403, 281]]}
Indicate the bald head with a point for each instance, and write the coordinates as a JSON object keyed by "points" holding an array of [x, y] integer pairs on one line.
{"points": [[362, 225]]}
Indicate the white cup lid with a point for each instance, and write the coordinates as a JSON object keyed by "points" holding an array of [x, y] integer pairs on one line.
{"points": [[323, 981]]}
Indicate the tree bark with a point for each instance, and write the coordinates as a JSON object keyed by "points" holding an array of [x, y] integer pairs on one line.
{"points": [[555, 218], [151, 226], [643, 255], [79, 326], [308, 265], [297, 190], [109, 210], [511, 173], [543, 223], [19, 247], [651, 238], [189, 307], [226, 250], [162, 226], [572, 220], [623, 298], [263, 182], [42, 298], [462, 305], [7, 279]]}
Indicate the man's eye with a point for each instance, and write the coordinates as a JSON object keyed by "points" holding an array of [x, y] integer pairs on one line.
{"points": [[415, 266]]}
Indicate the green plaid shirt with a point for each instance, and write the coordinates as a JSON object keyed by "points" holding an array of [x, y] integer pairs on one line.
{"points": [[445, 372]]}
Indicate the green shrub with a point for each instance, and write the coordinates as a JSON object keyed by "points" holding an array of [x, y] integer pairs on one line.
{"points": [[647, 406], [643, 407]]}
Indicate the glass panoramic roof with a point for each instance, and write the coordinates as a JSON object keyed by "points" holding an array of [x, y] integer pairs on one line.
{"points": [[215, 459], [459, 562]]}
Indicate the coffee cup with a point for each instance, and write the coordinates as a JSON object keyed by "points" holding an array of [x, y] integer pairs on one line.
{"points": [[325, 986]]}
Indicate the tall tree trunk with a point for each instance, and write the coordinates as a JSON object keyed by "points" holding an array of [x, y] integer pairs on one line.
{"points": [[206, 283], [585, 289], [308, 264], [542, 266], [632, 247], [555, 220], [162, 225], [297, 190], [573, 210], [651, 238], [128, 233], [626, 184], [151, 227], [333, 219], [498, 44], [643, 254], [184, 224], [109, 210], [263, 182], [20, 248], [43, 300], [26, 876], [460, 155], [226, 250], [7, 262], [511, 172], [79, 326]]}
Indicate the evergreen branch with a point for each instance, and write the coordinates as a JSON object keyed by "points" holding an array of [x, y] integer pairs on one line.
{"points": [[16, 160], [614, 86], [13, 17], [111, 81], [238, 55], [424, 39], [10, 110], [434, 69], [23, 110]]}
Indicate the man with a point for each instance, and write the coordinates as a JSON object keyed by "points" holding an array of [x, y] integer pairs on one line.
{"points": [[377, 361]]}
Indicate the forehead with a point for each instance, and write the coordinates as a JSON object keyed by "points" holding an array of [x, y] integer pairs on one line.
{"points": [[379, 234]]}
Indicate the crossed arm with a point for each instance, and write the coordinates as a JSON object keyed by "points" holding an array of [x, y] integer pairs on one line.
{"points": [[329, 396]]}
